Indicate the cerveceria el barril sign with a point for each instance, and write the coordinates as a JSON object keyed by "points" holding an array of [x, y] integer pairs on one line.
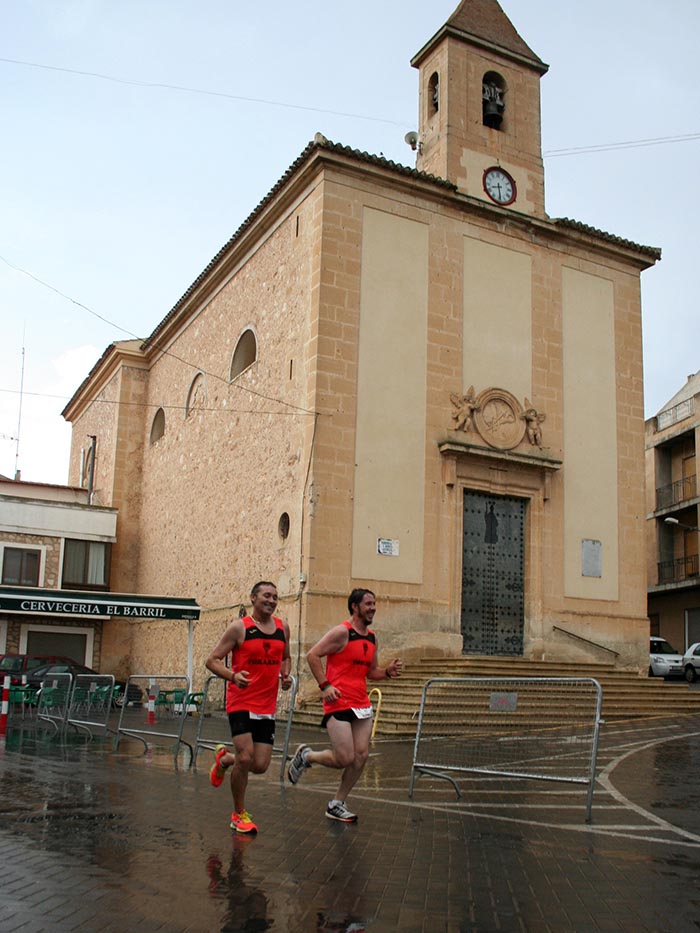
{"points": [[71, 603]]}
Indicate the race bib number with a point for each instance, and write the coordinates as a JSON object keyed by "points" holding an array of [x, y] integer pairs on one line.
{"points": [[364, 712]]}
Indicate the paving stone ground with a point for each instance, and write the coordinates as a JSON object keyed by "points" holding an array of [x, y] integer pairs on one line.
{"points": [[97, 839]]}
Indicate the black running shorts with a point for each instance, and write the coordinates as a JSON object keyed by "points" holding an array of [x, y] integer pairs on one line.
{"points": [[342, 715], [262, 730]]}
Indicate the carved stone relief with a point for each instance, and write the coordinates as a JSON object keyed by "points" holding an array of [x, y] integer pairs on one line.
{"points": [[498, 417]]}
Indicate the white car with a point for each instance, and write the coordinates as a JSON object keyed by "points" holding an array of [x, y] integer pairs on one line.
{"points": [[691, 662], [664, 660]]}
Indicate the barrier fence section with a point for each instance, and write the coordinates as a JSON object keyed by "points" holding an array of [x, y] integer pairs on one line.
{"points": [[53, 700], [213, 727], [154, 706], [91, 702], [541, 728]]}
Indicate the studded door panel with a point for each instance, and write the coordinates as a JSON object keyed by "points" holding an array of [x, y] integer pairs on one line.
{"points": [[493, 557]]}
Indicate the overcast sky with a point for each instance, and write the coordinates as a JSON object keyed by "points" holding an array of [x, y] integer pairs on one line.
{"points": [[139, 134]]}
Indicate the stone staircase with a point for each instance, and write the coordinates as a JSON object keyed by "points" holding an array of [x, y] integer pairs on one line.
{"points": [[625, 695]]}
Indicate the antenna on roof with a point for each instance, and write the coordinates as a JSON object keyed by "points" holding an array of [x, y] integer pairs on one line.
{"points": [[18, 474]]}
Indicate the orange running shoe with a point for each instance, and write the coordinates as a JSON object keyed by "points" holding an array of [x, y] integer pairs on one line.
{"points": [[243, 822], [218, 771]]}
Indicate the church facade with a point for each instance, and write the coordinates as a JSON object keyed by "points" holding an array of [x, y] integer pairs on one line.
{"points": [[410, 379]]}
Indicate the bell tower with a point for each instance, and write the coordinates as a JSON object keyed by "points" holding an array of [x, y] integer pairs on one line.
{"points": [[479, 98]]}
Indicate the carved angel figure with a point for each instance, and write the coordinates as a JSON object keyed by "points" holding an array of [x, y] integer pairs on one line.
{"points": [[533, 419], [465, 406]]}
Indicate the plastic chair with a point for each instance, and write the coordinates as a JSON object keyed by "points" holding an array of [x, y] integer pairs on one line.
{"points": [[196, 700]]}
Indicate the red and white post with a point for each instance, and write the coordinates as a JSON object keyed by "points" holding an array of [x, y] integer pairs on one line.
{"points": [[5, 706], [152, 693]]}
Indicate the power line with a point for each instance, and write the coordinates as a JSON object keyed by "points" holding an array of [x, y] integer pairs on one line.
{"points": [[194, 410], [629, 144], [196, 90], [548, 154], [159, 347]]}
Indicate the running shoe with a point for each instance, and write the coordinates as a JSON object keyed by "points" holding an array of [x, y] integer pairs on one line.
{"points": [[218, 771], [338, 811], [298, 764], [243, 822]]}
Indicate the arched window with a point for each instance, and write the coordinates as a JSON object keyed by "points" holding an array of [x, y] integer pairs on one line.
{"points": [[245, 354], [493, 92], [434, 93], [157, 426], [196, 395]]}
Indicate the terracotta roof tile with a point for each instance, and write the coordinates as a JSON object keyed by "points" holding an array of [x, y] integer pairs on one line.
{"points": [[652, 251], [320, 142], [486, 20]]}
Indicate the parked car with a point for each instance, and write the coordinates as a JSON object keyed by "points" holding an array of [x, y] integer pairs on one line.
{"points": [[40, 674], [664, 660], [691, 662], [19, 665]]}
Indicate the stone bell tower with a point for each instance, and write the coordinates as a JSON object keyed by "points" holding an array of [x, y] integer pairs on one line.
{"points": [[479, 122]]}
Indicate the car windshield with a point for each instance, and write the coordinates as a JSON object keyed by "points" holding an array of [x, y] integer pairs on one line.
{"points": [[11, 664], [662, 647]]}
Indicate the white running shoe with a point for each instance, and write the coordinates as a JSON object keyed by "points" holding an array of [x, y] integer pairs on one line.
{"points": [[298, 764], [338, 811]]}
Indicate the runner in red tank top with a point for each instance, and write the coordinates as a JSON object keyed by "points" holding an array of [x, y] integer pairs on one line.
{"points": [[351, 652], [260, 660]]}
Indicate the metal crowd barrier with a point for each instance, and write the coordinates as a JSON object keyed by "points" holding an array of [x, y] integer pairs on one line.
{"points": [[213, 727], [91, 702], [53, 700], [154, 706], [540, 728]]}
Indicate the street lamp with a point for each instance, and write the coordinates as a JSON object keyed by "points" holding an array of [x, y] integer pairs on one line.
{"points": [[674, 521]]}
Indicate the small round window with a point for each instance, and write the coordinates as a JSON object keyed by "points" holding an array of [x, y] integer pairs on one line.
{"points": [[283, 526]]}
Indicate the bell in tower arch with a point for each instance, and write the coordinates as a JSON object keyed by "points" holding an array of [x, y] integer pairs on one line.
{"points": [[493, 104]]}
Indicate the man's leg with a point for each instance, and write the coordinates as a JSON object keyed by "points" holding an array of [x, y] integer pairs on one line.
{"points": [[361, 732], [342, 750], [243, 758]]}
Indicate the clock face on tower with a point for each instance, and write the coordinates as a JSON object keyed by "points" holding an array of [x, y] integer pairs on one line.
{"points": [[499, 186]]}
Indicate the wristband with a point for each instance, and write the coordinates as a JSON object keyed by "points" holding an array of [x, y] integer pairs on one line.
{"points": [[388, 675], [326, 683]]}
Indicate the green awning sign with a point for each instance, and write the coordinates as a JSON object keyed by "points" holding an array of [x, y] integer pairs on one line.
{"points": [[36, 601]]}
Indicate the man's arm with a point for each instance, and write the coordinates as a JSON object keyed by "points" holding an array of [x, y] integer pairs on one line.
{"points": [[331, 643], [393, 669], [286, 666], [232, 638]]}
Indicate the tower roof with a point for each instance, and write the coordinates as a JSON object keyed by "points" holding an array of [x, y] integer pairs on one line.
{"points": [[484, 23]]}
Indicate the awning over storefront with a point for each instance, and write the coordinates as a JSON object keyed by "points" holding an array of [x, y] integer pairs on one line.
{"points": [[79, 603]]}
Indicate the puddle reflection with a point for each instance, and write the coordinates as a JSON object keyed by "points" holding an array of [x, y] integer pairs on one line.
{"points": [[247, 904]]}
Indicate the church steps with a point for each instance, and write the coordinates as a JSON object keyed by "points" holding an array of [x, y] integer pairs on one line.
{"points": [[626, 695]]}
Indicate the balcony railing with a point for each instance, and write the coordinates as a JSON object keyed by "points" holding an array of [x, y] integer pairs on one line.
{"points": [[676, 571], [680, 491], [673, 415]]}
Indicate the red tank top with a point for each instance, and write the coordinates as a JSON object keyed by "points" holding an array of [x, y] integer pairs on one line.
{"points": [[260, 655], [347, 670]]}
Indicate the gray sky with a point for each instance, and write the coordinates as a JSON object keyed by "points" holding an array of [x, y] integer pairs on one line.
{"points": [[118, 192]]}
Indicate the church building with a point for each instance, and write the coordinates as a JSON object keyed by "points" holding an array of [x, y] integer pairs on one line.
{"points": [[409, 379]]}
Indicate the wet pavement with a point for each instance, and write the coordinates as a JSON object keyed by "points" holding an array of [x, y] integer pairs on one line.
{"points": [[98, 839]]}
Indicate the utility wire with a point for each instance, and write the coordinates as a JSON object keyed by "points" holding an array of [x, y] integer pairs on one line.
{"points": [[629, 144], [198, 90], [194, 409], [163, 350], [548, 154]]}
